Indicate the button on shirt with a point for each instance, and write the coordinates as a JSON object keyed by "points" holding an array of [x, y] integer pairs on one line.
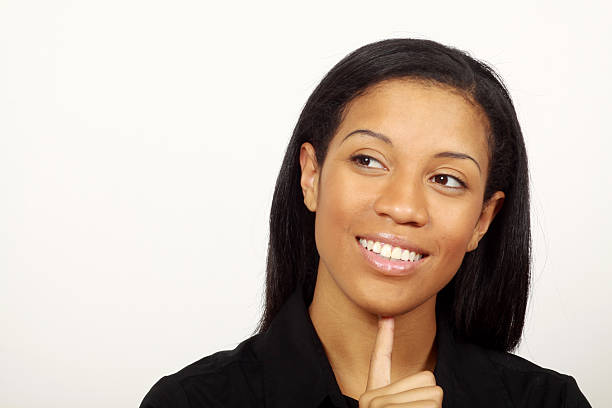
{"points": [[287, 367]]}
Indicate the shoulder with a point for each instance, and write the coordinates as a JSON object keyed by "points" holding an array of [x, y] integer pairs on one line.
{"points": [[224, 379], [529, 384]]}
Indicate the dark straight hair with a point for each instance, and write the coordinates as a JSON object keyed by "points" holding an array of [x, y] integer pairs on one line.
{"points": [[485, 301]]}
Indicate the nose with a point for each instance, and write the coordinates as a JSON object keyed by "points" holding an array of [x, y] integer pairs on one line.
{"points": [[403, 199]]}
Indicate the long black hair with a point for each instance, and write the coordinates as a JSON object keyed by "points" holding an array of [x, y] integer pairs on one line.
{"points": [[486, 300]]}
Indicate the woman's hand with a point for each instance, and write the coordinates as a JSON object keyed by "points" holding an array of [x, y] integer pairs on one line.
{"points": [[416, 391]]}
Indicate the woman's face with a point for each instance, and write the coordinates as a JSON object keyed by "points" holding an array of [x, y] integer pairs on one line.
{"points": [[407, 166]]}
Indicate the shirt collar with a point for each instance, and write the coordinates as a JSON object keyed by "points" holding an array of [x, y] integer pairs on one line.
{"points": [[297, 372], [464, 371]]}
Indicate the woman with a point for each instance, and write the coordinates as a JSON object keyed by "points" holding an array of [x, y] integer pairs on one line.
{"points": [[399, 256]]}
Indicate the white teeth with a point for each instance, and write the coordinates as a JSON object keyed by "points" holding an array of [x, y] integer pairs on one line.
{"points": [[396, 253], [389, 251]]}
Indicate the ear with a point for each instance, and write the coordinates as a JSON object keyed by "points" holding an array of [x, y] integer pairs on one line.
{"points": [[489, 211], [310, 176]]}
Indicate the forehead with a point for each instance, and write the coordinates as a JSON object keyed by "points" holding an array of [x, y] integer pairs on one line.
{"points": [[418, 116]]}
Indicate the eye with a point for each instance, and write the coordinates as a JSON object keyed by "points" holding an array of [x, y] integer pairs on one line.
{"points": [[365, 161], [448, 181]]}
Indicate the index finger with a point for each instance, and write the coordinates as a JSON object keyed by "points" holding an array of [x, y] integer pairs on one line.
{"points": [[380, 361]]}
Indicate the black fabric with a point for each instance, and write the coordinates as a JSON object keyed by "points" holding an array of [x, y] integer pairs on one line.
{"points": [[350, 402], [287, 367]]}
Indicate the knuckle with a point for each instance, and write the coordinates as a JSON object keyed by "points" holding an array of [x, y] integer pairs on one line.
{"points": [[438, 393], [376, 402], [428, 377], [364, 400]]}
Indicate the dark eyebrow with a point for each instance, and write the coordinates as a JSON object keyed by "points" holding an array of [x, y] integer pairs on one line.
{"points": [[369, 133], [457, 155]]}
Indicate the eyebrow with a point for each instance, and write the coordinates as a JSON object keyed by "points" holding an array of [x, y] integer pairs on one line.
{"points": [[369, 133], [452, 155], [457, 155]]}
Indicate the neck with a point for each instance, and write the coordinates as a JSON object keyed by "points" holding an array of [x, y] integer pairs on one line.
{"points": [[347, 333]]}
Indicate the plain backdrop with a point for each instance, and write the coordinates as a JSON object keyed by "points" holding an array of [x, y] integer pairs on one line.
{"points": [[139, 146]]}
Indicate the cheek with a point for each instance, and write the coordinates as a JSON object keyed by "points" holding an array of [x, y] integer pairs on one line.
{"points": [[455, 225], [339, 207], [341, 198]]}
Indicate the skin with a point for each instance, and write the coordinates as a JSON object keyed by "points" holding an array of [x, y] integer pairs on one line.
{"points": [[390, 353]]}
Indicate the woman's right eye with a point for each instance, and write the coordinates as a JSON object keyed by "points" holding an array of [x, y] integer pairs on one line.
{"points": [[365, 161]]}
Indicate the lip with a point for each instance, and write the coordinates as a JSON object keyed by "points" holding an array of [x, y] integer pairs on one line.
{"points": [[389, 267]]}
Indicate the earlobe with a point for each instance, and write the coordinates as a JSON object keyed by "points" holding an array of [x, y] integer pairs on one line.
{"points": [[310, 176], [490, 210]]}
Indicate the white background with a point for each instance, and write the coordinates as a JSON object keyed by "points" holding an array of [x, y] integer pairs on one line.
{"points": [[139, 146]]}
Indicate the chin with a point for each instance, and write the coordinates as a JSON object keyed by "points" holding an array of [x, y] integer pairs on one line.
{"points": [[388, 305], [390, 309]]}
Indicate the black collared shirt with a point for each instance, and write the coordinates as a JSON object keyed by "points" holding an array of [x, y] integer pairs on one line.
{"points": [[287, 367]]}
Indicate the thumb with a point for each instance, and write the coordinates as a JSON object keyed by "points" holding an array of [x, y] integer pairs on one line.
{"points": [[380, 361]]}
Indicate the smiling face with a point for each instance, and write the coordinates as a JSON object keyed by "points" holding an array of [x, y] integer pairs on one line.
{"points": [[407, 166]]}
